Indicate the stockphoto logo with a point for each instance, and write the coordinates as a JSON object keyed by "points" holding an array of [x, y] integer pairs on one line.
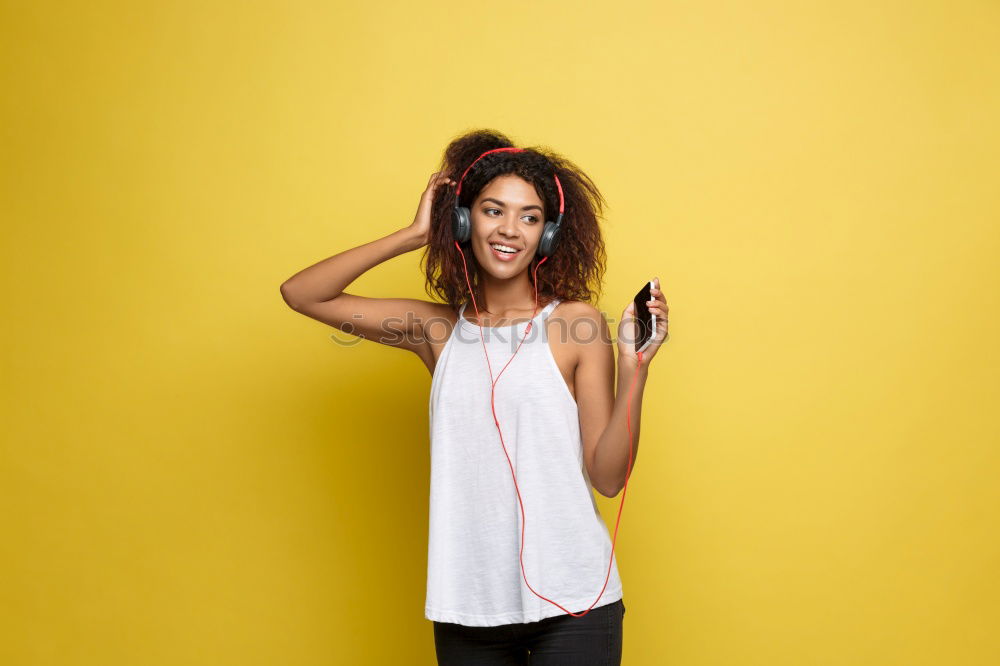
{"points": [[395, 330]]}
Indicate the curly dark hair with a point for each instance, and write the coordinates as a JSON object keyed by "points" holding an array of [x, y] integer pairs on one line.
{"points": [[575, 271]]}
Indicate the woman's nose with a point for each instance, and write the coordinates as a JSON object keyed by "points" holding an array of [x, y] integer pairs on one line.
{"points": [[508, 227]]}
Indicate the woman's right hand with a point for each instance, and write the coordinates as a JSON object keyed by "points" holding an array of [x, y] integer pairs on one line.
{"points": [[421, 225]]}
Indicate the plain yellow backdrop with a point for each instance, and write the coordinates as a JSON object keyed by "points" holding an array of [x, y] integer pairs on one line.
{"points": [[194, 474]]}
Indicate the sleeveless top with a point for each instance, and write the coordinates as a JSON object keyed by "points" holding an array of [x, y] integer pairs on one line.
{"points": [[473, 565]]}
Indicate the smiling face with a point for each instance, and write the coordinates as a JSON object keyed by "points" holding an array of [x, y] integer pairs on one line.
{"points": [[507, 214]]}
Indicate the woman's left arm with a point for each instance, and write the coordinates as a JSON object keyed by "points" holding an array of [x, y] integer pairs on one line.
{"points": [[604, 412]]}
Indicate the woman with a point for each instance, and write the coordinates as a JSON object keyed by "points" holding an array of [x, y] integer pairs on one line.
{"points": [[524, 417]]}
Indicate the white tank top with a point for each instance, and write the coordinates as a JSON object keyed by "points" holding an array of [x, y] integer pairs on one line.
{"points": [[473, 567]]}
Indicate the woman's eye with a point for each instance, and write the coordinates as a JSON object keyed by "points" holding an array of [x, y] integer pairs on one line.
{"points": [[531, 217]]}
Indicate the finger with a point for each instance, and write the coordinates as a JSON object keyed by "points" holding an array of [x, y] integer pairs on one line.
{"points": [[659, 302]]}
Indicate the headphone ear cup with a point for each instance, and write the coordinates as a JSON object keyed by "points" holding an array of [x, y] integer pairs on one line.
{"points": [[461, 225], [550, 238]]}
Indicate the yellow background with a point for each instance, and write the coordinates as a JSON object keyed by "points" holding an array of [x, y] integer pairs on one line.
{"points": [[194, 474]]}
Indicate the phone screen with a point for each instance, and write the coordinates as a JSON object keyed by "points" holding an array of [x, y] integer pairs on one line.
{"points": [[643, 318]]}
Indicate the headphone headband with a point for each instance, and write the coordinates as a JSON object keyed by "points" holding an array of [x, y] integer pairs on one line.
{"points": [[511, 149]]}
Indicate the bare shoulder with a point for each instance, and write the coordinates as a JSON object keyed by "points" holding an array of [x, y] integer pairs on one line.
{"points": [[577, 334], [443, 310], [438, 320], [584, 322], [570, 310]]}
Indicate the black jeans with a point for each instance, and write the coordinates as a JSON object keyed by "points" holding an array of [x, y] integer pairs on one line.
{"points": [[592, 640]]}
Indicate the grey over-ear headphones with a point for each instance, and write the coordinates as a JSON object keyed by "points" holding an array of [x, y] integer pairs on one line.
{"points": [[461, 220]]}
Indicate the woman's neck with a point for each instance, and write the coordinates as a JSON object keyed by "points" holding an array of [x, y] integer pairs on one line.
{"points": [[507, 298]]}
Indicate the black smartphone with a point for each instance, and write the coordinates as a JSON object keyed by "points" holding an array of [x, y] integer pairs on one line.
{"points": [[644, 319]]}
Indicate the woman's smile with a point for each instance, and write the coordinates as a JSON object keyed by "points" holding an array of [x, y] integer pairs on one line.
{"points": [[504, 252]]}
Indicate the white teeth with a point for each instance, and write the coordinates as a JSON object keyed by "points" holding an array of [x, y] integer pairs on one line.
{"points": [[504, 248]]}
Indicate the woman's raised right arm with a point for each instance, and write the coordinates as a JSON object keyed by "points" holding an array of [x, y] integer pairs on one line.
{"points": [[318, 291]]}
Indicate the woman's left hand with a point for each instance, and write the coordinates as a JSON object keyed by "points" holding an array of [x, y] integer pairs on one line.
{"points": [[628, 329]]}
